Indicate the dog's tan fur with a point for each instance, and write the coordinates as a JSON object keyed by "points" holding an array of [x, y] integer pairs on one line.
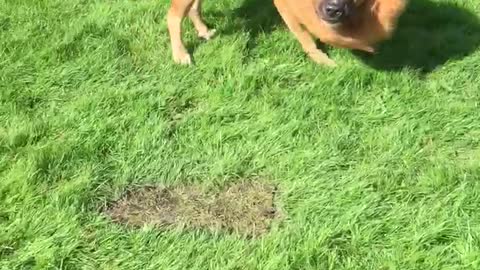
{"points": [[375, 22]]}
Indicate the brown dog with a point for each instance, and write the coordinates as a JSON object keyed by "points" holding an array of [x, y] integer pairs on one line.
{"points": [[353, 24]]}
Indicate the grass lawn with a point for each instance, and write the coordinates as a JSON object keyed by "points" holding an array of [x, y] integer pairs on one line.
{"points": [[377, 162]]}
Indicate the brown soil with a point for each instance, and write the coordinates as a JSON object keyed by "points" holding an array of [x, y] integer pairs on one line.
{"points": [[246, 208]]}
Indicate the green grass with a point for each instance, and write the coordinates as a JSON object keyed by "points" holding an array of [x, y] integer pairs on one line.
{"points": [[377, 161]]}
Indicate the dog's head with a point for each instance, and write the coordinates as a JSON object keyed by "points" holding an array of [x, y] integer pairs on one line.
{"points": [[337, 12]]}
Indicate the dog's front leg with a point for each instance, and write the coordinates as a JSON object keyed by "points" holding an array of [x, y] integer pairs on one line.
{"points": [[177, 12], [304, 37], [195, 14]]}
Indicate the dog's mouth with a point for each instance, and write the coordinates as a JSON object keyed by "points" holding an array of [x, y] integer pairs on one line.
{"points": [[335, 12]]}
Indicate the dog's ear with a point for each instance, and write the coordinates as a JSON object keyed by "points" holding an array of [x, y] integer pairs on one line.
{"points": [[387, 13], [378, 20]]}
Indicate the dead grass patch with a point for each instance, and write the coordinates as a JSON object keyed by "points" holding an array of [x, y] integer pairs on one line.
{"points": [[246, 208]]}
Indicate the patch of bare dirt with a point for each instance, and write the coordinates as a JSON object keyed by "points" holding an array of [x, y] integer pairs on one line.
{"points": [[246, 208]]}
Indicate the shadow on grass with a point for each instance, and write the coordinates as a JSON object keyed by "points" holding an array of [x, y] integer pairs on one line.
{"points": [[254, 17], [429, 33], [258, 17]]}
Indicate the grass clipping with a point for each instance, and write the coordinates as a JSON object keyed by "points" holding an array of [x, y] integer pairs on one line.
{"points": [[245, 208]]}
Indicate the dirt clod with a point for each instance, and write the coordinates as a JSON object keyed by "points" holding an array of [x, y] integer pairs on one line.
{"points": [[246, 208]]}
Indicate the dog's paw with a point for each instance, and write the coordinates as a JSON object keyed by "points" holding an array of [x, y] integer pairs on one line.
{"points": [[208, 34], [370, 50], [322, 59], [182, 58]]}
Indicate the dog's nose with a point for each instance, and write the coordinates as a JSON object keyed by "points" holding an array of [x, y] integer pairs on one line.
{"points": [[334, 10]]}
